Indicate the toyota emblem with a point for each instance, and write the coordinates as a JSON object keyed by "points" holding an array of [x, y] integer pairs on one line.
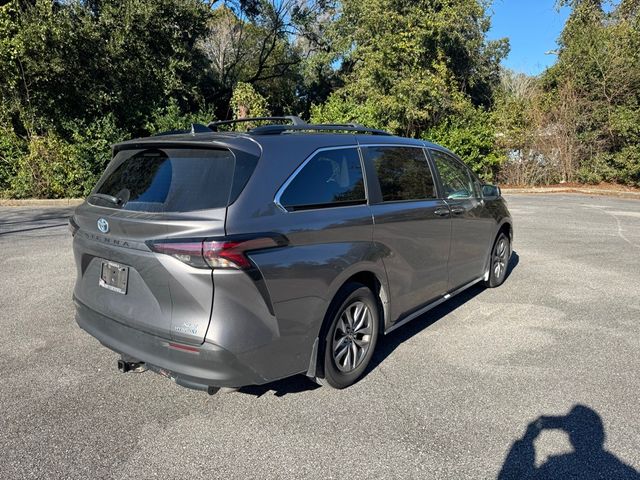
{"points": [[103, 225]]}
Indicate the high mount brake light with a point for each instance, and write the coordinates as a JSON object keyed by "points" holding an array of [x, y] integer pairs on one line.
{"points": [[223, 253]]}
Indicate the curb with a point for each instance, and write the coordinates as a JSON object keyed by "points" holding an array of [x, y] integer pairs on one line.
{"points": [[576, 190], [40, 202]]}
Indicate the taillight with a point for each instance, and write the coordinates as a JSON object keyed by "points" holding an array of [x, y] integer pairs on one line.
{"points": [[232, 253], [216, 253], [189, 252]]}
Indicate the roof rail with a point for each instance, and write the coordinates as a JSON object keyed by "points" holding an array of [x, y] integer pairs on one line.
{"points": [[351, 127], [291, 118], [354, 125]]}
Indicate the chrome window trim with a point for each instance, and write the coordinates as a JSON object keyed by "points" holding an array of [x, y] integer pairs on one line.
{"points": [[295, 173], [409, 145]]}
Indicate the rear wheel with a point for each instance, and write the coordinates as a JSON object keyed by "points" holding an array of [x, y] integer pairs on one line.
{"points": [[500, 255], [351, 337]]}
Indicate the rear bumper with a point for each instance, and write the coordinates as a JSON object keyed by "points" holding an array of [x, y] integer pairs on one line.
{"points": [[210, 365]]}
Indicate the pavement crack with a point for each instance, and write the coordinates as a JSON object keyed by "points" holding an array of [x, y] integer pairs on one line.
{"points": [[620, 234], [618, 223]]}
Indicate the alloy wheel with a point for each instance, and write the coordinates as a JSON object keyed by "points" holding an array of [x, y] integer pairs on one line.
{"points": [[352, 336], [500, 257]]}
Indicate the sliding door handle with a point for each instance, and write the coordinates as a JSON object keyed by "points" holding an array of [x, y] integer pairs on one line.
{"points": [[457, 210], [442, 212]]}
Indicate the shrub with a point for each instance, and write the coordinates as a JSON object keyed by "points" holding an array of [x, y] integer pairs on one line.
{"points": [[172, 117], [12, 148], [626, 163], [91, 147], [471, 136], [49, 169]]}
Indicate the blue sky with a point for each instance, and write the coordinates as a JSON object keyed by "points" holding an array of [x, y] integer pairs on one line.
{"points": [[532, 26]]}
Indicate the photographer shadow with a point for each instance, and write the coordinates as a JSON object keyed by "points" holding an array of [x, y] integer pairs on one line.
{"points": [[589, 459]]}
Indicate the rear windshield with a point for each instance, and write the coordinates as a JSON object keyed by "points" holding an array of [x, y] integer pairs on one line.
{"points": [[167, 180]]}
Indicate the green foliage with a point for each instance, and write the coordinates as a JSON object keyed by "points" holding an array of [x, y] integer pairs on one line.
{"points": [[412, 64], [269, 45], [599, 57], [48, 169], [52, 167], [471, 136], [78, 76], [597, 170], [12, 148], [342, 108], [246, 102], [91, 149], [418, 69], [514, 110], [626, 163], [172, 117], [77, 60]]}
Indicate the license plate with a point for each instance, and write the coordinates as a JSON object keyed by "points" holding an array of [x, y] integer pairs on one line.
{"points": [[114, 277]]}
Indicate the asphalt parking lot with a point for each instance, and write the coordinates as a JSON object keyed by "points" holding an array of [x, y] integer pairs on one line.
{"points": [[448, 396]]}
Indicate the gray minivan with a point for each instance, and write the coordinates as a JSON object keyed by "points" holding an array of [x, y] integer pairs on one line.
{"points": [[225, 259]]}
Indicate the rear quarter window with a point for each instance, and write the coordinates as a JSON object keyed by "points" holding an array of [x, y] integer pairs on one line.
{"points": [[168, 180]]}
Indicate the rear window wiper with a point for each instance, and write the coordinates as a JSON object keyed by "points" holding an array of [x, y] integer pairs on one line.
{"points": [[109, 198]]}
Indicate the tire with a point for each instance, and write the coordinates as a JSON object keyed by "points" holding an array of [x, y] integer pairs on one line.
{"points": [[499, 262], [353, 322]]}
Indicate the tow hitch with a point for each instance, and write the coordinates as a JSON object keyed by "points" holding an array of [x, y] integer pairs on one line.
{"points": [[135, 367]]}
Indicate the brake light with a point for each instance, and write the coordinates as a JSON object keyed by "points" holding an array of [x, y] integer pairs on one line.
{"points": [[232, 254], [219, 253], [189, 252]]}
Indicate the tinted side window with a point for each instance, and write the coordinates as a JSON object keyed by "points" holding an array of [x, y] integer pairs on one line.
{"points": [[403, 173], [331, 178], [457, 182]]}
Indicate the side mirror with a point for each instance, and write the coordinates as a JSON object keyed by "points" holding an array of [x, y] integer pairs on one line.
{"points": [[491, 191]]}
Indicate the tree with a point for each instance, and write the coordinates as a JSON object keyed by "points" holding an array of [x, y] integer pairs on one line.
{"points": [[78, 76], [416, 68], [408, 65], [598, 59], [246, 102], [265, 43], [77, 61]]}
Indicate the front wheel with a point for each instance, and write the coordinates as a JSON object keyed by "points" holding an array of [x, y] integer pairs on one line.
{"points": [[351, 337], [500, 254]]}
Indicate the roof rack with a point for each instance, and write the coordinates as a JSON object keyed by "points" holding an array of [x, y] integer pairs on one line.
{"points": [[354, 125], [297, 124], [291, 118], [349, 127]]}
